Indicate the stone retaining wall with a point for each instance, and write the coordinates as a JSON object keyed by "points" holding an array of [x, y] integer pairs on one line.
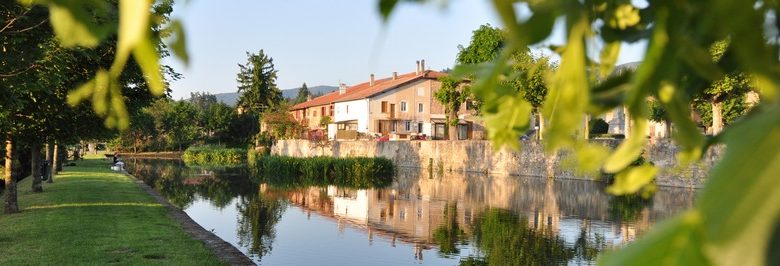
{"points": [[479, 156]]}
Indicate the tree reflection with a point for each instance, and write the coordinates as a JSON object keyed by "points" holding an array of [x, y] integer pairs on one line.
{"points": [[627, 208], [505, 239], [449, 234], [257, 218]]}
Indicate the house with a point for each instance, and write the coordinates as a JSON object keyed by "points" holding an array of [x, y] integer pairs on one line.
{"points": [[400, 106]]}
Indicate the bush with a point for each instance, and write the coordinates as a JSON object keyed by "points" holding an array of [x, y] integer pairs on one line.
{"points": [[357, 172], [598, 126], [214, 155]]}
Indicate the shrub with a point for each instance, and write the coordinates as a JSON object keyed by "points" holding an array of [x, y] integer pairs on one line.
{"points": [[357, 172], [214, 155]]}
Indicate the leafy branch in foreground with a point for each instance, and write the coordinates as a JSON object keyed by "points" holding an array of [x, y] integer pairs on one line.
{"points": [[87, 23], [735, 222]]}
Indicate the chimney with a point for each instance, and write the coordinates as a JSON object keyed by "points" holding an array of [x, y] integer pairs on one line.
{"points": [[342, 88], [417, 70], [395, 75], [371, 81], [308, 97], [422, 65]]}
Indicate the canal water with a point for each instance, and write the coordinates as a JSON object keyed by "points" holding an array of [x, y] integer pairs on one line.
{"points": [[422, 218]]}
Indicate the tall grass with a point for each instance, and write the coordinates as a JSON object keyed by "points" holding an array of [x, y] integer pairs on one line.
{"points": [[358, 172], [214, 155]]}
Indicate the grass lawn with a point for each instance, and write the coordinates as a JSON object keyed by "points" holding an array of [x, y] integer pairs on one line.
{"points": [[91, 215]]}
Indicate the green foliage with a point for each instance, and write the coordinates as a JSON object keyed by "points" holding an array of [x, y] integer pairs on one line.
{"points": [[451, 95], [357, 172], [486, 43], [325, 121], [214, 155], [257, 84], [303, 94], [87, 23], [280, 124], [598, 126]]}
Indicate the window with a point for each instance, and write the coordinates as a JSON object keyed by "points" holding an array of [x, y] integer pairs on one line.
{"points": [[420, 91], [331, 110], [322, 110], [348, 109], [420, 108], [403, 106], [419, 127], [408, 126], [314, 113], [384, 107]]}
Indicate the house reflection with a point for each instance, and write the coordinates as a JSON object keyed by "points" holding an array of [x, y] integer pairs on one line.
{"points": [[427, 212]]}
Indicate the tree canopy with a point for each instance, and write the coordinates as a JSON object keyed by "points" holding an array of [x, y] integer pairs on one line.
{"points": [[257, 84]]}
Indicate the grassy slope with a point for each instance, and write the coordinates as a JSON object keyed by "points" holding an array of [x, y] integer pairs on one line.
{"points": [[91, 215]]}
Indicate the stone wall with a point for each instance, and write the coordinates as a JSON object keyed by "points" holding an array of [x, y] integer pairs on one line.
{"points": [[478, 156]]}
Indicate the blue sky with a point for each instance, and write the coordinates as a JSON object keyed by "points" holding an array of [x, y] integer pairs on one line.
{"points": [[324, 42]]}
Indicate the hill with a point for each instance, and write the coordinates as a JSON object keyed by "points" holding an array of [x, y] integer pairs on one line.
{"points": [[231, 98]]}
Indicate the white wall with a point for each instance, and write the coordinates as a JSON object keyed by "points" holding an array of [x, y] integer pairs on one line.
{"points": [[358, 110]]}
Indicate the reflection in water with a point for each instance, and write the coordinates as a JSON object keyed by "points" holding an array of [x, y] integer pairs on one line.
{"points": [[466, 219]]}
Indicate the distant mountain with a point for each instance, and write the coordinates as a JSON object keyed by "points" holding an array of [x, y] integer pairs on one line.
{"points": [[315, 91], [231, 98]]}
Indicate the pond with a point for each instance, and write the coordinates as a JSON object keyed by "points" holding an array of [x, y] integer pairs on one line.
{"points": [[422, 218]]}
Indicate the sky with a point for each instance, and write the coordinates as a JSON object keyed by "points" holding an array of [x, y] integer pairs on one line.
{"points": [[325, 42]]}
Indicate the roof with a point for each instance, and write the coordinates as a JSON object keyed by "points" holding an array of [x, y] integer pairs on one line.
{"points": [[363, 90]]}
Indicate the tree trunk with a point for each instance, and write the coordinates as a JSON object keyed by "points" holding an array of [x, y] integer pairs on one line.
{"points": [[37, 184], [626, 122], [452, 124], [717, 117], [541, 126], [55, 162], [49, 159], [11, 204], [62, 157], [668, 124], [586, 128]]}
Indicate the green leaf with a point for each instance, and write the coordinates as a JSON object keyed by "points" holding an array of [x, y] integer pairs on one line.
{"points": [[179, 45], [632, 179], [511, 121], [630, 149], [568, 96], [386, 7], [70, 25], [146, 56], [133, 24], [674, 242], [740, 201], [609, 56]]}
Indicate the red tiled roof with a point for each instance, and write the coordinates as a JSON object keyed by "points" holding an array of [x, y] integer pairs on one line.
{"points": [[363, 90]]}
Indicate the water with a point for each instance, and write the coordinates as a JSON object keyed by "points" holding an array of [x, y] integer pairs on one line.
{"points": [[421, 219]]}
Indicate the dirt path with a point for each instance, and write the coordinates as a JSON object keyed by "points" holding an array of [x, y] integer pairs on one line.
{"points": [[222, 249]]}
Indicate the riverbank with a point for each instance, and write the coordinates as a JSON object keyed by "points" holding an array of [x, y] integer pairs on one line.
{"points": [[91, 215], [156, 155]]}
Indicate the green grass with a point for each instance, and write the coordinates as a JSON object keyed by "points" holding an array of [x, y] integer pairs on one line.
{"points": [[91, 215]]}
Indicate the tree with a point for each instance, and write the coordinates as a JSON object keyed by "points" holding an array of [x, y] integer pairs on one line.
{"points": [[731, 89], [303, 94], [257, 84], [486, 44], [451, 95], [218, 121]]}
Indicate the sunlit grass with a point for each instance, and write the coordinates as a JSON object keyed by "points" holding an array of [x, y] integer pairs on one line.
{"points": [[92, 215]]}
